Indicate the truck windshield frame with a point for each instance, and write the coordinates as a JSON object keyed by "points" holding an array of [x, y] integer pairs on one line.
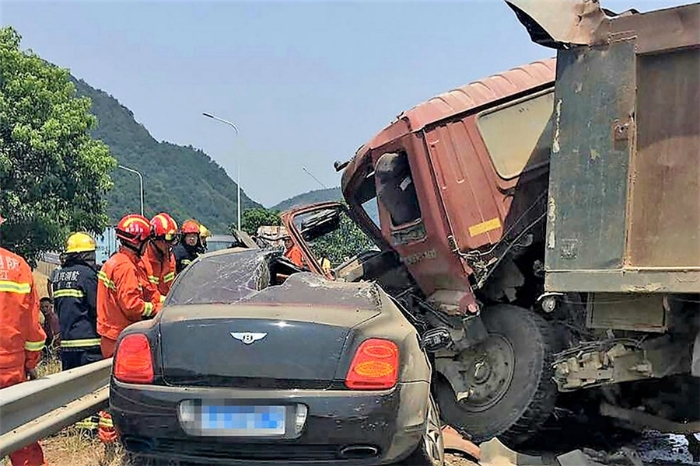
{"points": [[364, 194]]}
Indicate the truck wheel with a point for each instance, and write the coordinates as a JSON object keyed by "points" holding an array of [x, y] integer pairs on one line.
{"points": [[510, 378]]}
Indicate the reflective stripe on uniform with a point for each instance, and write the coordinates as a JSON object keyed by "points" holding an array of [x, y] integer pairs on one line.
{"points": [[147, 309], [106, 422], [68, 294], [106, 281], [86, 425], [169, 277], [7, 286], [83, 343], [34, 345], [153, 279]]}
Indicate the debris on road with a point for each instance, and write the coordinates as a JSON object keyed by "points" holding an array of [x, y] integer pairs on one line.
{"points": [[653, 449], [454, 441]]}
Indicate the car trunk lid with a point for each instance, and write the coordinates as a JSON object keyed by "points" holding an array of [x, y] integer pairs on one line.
{"points": [[255, 346]]}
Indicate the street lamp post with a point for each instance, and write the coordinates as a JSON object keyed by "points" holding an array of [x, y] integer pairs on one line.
{"points": [[238, 164], [140, 182]]}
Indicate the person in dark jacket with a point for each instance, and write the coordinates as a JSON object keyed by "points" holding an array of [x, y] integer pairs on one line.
{"points": [[75, 295], [190, 245]]}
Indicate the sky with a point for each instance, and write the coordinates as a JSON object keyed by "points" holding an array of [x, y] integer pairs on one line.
{"points": [[305, 82]]}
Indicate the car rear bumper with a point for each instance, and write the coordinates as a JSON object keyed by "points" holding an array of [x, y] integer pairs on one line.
{"points": [[392, 422]]}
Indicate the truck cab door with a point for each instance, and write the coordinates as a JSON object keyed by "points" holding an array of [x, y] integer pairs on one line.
{"points": [[308, 223]]}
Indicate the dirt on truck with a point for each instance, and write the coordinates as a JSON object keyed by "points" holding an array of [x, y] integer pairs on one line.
{"points": [[542, 227]]}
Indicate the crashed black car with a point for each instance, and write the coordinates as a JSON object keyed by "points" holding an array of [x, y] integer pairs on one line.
{"points": [[252, 360]]}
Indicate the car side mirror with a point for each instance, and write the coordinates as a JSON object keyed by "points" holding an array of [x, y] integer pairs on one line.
{"points": [[436, 339]]}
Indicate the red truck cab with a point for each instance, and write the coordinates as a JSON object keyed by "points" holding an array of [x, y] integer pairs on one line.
{"points": [[451, 192], [445, 173]]}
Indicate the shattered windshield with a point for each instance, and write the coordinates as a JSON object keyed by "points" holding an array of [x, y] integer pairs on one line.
{"points": [[309, 289], [250, 277], [222, 278]]}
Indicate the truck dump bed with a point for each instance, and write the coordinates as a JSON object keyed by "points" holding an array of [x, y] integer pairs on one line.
{"points": [[624, 193]]}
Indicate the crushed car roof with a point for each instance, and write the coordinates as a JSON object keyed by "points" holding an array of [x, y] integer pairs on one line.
{"points": [[243, 276]]}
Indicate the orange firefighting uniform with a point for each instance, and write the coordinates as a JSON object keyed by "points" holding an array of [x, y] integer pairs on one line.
{"points": [[294, 254], [124, 296], [21, 336], [161, 271]]}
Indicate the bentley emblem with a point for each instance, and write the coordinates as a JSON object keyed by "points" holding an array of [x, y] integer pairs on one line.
{"points": [[248, 338]]}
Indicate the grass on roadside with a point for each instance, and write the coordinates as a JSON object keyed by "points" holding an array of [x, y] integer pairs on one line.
{"points": [[49, 365], [73, 446]]}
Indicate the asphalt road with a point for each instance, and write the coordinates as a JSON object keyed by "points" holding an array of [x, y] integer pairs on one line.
{"points": [[657, 449], [652, 449]]}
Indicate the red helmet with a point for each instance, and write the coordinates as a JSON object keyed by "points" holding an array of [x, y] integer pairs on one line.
{"points": [[164, 227], [134, 229], [190, 226]]}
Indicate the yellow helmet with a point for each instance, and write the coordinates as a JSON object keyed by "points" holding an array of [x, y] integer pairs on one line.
{"points": [[80, 242], [204, 231]]}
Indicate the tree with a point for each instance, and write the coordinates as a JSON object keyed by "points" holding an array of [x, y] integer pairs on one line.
{"points": [[252, 219], [53, 175], [342, 243]]}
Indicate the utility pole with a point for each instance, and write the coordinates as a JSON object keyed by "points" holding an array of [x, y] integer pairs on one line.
{"points": [[238, 164], [140, 182]]}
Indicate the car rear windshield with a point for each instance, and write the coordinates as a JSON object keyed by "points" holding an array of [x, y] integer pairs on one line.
{"points": [[249, 276], [221, 278]]}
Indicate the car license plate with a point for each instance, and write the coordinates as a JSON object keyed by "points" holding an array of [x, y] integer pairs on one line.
{"points": [[244, 421]]}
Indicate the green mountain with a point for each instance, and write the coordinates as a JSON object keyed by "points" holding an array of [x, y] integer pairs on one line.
{"points": [[182, 181], [312, 197]]}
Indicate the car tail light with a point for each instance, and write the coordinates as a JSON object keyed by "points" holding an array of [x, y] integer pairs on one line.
{"points": [[133, 362], [375, 366]]}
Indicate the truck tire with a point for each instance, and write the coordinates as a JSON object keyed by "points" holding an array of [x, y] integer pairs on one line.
{"points": [[517, 395]]}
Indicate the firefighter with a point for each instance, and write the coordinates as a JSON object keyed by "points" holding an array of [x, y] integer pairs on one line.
{"points": [[190, 245], [21, 336], [204, 233], [75, 300], [159, 258], [121, 292], [123, 295], [293, 252]]}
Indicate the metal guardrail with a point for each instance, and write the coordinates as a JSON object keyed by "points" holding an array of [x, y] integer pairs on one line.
{"points": [[33, 410]]}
